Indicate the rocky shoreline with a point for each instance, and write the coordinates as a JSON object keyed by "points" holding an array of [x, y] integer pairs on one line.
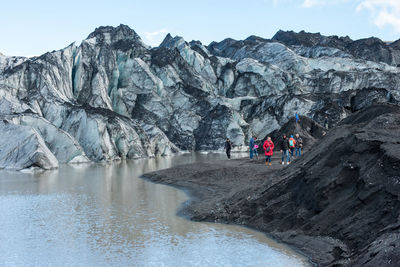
{"points": [[208, 192], [338, 204]]}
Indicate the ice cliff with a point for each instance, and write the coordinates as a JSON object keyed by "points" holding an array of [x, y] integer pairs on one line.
{"points": [[114, 97]]}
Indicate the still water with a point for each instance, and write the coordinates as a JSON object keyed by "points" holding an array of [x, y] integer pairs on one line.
{"points": [[106, 215]]}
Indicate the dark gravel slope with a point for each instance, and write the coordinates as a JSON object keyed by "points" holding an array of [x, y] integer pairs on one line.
{"points": [[339, 203]]}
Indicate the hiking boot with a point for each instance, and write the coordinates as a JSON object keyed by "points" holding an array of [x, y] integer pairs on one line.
{"points": [[288, 163]]}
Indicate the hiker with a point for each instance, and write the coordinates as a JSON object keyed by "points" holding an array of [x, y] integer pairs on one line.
{"points": [[299, 145], [269, 150], [285, 150], [326, 122], [256, 150], [297, 117], [292, 145], [251, 146], [228, 147]]}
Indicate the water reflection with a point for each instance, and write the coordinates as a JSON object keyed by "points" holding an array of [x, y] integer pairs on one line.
{"points": [[103, 214]]}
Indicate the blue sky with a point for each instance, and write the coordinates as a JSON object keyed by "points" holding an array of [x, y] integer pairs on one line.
{"points": [[34, 27]]}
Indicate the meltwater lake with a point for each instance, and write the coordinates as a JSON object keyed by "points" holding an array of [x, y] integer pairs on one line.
{"points": [[106, 215]]}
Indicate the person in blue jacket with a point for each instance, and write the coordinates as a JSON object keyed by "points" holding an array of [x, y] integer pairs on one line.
{"points": [[252, 142], [297, 117]]}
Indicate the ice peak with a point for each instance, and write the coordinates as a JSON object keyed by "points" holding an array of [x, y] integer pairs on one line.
{"points": [[300, 38], [395, 44], [371, 41], [170, 42], [112, 34], [255, 38], [195, 42]]}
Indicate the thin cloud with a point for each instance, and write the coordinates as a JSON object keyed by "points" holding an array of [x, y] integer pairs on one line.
{"points": [[308, 3], [154, 38], [383, 12], [313, 3]]}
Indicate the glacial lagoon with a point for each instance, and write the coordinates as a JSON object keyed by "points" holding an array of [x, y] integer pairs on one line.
{"points": [[106, 215]]}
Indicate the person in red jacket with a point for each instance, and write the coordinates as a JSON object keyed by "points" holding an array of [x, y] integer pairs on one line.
{"points": [[269, 150]]}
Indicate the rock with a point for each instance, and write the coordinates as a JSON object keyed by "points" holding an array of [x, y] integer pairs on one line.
{"points": [[23, 148]]}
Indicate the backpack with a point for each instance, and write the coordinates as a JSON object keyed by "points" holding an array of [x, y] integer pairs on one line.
{"points": [[291, 144], [299, 142]]}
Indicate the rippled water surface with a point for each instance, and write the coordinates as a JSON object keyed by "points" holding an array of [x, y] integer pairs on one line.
{"points": [[105, 215]]}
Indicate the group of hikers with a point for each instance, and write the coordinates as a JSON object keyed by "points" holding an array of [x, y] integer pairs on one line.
{"points": [[290, 147]]}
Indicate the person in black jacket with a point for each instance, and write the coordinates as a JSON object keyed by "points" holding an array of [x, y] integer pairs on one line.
{"points": [[228, 147], [299, 144], [285, 150]]}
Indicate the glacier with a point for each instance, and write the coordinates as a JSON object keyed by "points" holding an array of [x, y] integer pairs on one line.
{"points": [[112, 97]]}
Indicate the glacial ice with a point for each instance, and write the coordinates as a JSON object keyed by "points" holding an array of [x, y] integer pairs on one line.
{"points": [[23, 147], [112, 97]]}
